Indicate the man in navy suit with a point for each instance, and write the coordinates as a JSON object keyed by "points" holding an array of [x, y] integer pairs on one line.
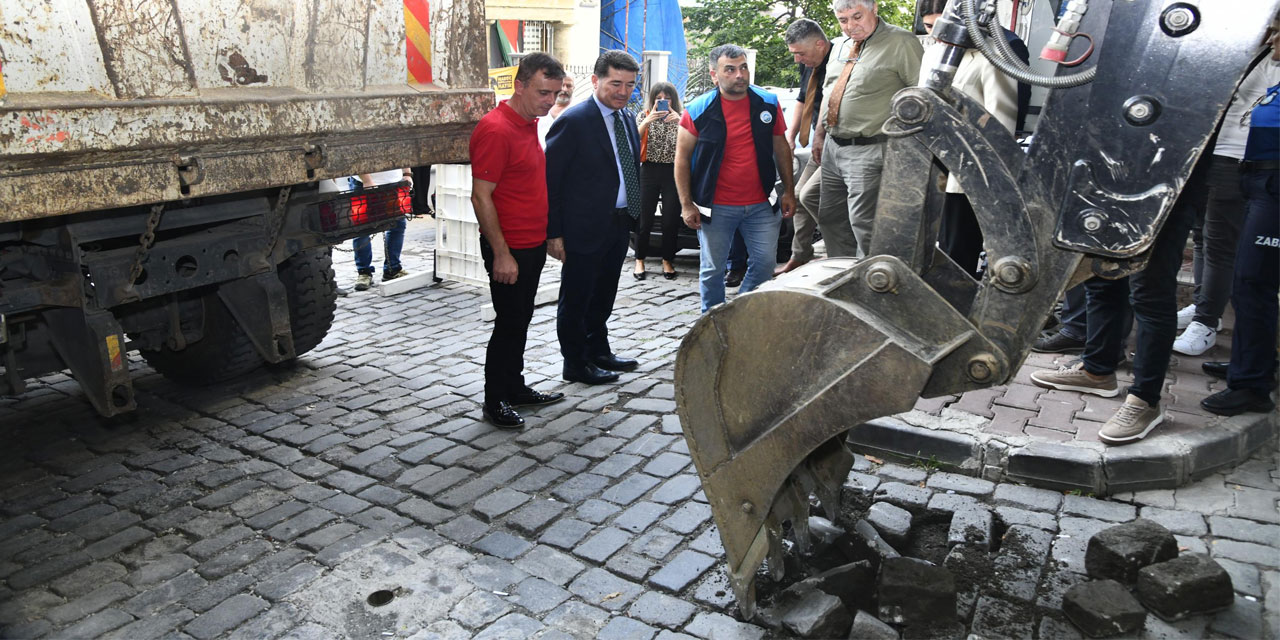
{"points": [[593, 193]]}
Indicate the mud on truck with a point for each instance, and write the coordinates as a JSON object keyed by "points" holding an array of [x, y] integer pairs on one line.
{"points": [[159, 164]]}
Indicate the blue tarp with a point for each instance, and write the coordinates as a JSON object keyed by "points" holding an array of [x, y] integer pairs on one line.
{"points": [[622, 26]]}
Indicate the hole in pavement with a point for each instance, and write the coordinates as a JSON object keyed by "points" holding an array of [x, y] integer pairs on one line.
{"points": [[380, 597]]}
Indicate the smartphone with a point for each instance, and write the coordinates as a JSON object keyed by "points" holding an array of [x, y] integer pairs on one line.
{"points": [[662, 105]]}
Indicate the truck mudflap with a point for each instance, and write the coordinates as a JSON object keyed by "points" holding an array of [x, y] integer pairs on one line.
{"points": [[768, 384]]}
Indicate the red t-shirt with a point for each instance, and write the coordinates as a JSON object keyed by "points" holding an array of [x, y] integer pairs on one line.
{"points": [[739, 180], [505, 151]]}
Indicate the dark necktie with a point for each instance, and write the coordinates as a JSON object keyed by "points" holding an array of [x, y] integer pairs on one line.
{"points": [[627, 161]]}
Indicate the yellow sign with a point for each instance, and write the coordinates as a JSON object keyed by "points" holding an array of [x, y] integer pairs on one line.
{"points": [[2, 90], [502, 81]]}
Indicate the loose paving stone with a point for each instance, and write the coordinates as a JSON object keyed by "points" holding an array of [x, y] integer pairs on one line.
{"points": [[869, 627], [1014, 515], [503, 545], [818, 615], [893, 523], [620, 628], [600, 546], [915, 593], [639, 516], [688, 517], [975, 526], [1119, 552], [1190, 584], [1103, 608], [909, 497]]}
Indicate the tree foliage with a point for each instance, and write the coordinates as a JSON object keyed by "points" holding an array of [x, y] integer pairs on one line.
{"points": [[759, 25]]}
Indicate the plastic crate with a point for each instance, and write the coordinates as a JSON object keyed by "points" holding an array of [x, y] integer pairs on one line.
{"points": [[453, 192], [458, 267]]}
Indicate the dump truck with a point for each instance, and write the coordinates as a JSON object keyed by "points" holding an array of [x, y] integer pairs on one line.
{"points": [[159, 163], [768, 385]]}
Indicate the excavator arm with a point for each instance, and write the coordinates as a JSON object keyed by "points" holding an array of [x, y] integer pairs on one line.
{"points": [[768, 385]]}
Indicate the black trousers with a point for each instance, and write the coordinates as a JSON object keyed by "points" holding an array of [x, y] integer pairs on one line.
{"points": [[959, 235], [513, 310], [588, 287], [1257, 279], [658, 179], [1152, 293]]}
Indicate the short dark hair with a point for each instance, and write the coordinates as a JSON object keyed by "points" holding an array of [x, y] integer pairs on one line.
{"points": [[930, 7], [803, 29], [615, 59], [537, 61], [725, 51]]}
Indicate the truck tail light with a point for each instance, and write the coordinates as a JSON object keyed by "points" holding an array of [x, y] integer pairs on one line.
{"points": [[364, 207]]}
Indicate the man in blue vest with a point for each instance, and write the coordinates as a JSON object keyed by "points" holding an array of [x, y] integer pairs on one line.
{"points": [[731, 142]]}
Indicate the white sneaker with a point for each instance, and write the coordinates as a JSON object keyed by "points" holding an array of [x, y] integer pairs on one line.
{"points": [[1196, 340], [1186, 315]]}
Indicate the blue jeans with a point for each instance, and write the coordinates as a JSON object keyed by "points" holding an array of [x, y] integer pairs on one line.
{"points": [[759, 226], [737, 254], [392, 242]]}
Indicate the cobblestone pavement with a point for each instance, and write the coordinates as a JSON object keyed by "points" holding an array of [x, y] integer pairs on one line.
{"points": [[290, 503]]}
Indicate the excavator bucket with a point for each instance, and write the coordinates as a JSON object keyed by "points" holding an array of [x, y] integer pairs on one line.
{"points": [[765, 406]]}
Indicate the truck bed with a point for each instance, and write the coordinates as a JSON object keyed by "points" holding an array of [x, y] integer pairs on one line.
{"points": [[115, 103]]}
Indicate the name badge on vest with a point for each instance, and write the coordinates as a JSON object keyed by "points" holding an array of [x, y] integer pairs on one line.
{"points": [[766, 117]]}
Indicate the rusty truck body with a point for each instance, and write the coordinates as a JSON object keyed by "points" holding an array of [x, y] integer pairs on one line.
{"points": [[159, 162]]}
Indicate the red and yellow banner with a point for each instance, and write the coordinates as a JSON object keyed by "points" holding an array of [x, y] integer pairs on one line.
{"points": [[417, 46]]}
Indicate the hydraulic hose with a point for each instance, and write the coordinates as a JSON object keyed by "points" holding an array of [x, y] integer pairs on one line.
{"points": [[1002, 56]]}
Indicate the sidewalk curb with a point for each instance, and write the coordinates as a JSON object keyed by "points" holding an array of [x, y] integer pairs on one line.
{"points": [[1162, 461]]}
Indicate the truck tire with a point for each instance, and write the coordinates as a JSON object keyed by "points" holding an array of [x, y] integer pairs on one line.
{"points": [[313, 296], [224, 351]]}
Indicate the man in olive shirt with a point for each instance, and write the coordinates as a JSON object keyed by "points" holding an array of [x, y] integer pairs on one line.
{"points": [[872, 62]]}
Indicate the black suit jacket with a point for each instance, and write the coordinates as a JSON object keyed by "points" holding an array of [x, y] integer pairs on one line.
{"points": [[582, 176]]}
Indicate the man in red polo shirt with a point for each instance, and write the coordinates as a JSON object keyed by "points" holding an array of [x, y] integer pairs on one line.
{"points": [[509, 194]]}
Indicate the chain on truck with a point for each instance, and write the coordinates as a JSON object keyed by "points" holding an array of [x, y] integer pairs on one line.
{"points": [[158, 173]]}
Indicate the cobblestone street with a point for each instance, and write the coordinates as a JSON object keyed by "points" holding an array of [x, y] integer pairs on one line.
{"points": [[359, 494]]}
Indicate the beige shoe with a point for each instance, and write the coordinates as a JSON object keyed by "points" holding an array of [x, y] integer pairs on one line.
{"points": [[1075, 378], [1132, 421], [364, 281]]}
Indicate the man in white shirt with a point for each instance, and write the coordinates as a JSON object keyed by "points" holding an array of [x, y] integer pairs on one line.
{"points": [[563, 98]]}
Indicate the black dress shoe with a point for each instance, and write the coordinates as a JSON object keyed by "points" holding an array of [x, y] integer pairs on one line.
{"points": [[588, 373], [503, 416], [531, 398], [614, 363], [734, 277], [1232, 402], [639, 275], [670, 275], [1215, 369], [1057, 343]]}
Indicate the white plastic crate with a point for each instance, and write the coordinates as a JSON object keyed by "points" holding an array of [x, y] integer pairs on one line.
{"points": [[457, 231], [457, 267]]}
